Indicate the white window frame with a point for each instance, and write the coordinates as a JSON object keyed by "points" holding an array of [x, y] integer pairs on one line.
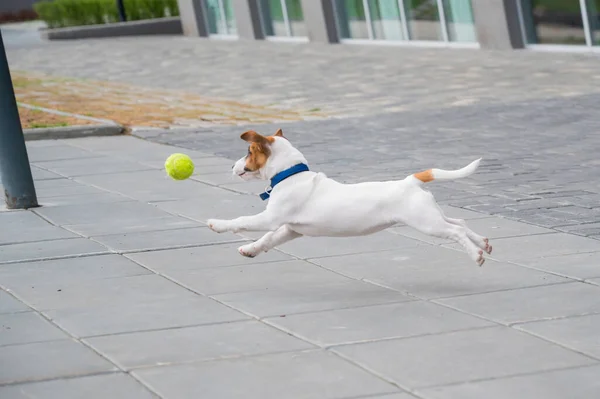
{"points": [[222, 22], [288, 26], [406, 41], [574, 48]]}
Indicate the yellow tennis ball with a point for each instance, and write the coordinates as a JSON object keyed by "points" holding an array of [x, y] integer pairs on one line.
{"points": [[179, 166]]}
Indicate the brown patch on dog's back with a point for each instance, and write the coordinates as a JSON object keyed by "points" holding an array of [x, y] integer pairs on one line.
{"points": [[426, 176]]}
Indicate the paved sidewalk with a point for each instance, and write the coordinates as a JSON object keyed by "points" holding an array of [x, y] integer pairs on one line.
{"points": [[115, 288]]}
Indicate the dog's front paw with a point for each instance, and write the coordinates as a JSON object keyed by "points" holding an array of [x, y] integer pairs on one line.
{"points": [[216, 225], [249, 250]]}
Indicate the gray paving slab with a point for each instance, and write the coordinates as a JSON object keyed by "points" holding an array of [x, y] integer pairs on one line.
{"points": [[153, 186], [314, 247], [42, 174], [435, 272], [188, 344], [582, 266], [48, 189], [91, 166], [10, 304], [126, 212], [37, 361], [56, 152], [462, 356], [264, 276], [391, 396], [101, 293], [196, 258], [112, 226], [306, 375], [532, 303], [165, 239], [579, 333], [372, 323], [542, 245], [230, 205], [79, 199], [299, 297], [50, 249], [24, 226], [72, 271], [575, 383], [27, 327], [113, 385], [149, 314]]}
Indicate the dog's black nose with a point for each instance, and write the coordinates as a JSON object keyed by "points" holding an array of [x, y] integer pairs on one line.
{"points": [[232, 166]]}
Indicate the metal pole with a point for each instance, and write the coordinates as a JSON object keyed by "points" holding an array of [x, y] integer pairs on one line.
{"points": [[15, 171], [121, 8]]}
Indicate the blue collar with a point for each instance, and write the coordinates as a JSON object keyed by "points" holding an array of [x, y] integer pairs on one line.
{"points": [[281, 176]]}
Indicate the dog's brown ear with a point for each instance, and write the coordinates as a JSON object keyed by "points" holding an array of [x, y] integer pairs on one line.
{"points": [[279, 133], [252, 137]]}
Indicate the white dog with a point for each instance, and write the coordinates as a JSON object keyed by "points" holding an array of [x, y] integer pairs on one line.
{"points": [[305, 203]]}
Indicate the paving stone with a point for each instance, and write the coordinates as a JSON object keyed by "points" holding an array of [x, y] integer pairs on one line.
{"points": [[126, 212], [579, 333], [575, 383], [10, 304], [49, 249], [310, 296], [265, 276], [101, 293], [153, 186], [184, 345], [143, 315], [22, 276], [314, 247], [26, 327], [79, 199], [230, 206], [91, 166], [272, 376], [49, 191], [164, 239], [559, 300], [42, 174], [196, 258], [23, 226], [435, 272], [376, 322], [542, 245], [460, 357], [114, 385], [36, 361], [56, 152], [580, 266], [111, 227]]}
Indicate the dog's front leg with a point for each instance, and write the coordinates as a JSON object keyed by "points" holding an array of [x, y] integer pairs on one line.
{"points": [[268, 241], [264, 221]]}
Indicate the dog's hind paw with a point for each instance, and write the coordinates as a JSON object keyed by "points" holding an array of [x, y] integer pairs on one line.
{"points": [[248, 251]]}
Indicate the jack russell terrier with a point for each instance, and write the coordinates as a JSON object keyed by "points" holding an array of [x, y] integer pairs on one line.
{"points": [[305, 203]]}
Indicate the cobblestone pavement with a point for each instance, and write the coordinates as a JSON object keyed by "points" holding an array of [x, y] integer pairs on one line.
{"points": [[532, 116]]}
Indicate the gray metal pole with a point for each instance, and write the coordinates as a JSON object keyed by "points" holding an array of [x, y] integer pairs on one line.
{"points": [[15, 171]]}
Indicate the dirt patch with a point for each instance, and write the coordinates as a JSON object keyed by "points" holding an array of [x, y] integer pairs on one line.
{"points": [[33, 118], [138, 106]]}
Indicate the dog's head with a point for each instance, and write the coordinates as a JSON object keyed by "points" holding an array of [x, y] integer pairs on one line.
{"points": [[266, 156]]}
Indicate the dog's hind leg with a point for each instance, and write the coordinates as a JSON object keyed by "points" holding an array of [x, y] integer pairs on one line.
{"points": [[269, 241], [480, 241], [426, 216]]}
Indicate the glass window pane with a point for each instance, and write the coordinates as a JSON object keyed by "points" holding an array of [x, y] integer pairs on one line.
{"points": [[553, 22], [229, 16], [214, 17], [459, 20], [351, 19], [387, 24], [272, 18], [296, 17], [423, 19], [594, 17]]}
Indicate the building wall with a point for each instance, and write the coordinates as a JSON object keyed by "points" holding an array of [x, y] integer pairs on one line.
{"points": [[13, 6]]}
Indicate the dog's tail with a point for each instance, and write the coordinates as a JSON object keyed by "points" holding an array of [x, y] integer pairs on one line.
{"points": [[440, 174]]}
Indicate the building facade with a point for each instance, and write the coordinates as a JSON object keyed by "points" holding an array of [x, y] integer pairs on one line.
{"points": [[491, 24]]}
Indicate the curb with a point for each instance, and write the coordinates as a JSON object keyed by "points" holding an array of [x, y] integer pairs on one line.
{"points": [[72, 132], [156, 26]]}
